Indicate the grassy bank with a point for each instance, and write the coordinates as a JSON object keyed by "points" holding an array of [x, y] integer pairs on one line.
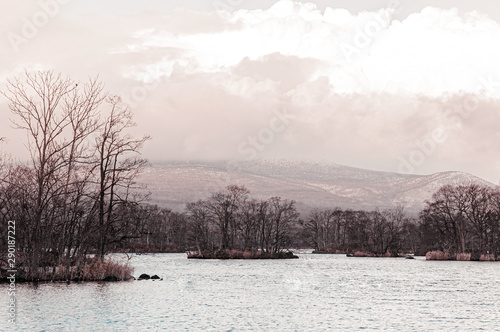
{"points": [[358, 253], [96, 271], [438, 255]]}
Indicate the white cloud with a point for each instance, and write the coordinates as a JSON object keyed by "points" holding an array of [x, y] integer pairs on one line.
{"points": [[432, 52]]}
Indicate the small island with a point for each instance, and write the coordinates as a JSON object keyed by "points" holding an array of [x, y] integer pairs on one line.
{"points": [[238, 254], [232, 225]]}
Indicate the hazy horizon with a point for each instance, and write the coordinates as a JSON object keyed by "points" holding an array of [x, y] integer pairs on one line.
{"points": [[385, 85]]}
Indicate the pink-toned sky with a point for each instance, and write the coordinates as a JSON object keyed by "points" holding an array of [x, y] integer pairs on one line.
{"points": [[409, 86]]}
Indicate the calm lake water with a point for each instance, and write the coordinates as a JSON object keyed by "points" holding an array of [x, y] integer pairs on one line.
{"points": [[313, 293]]}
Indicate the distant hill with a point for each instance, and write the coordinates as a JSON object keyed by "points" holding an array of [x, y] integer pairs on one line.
{"points": [[322, 185]]}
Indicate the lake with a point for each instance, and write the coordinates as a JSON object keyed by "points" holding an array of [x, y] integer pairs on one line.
{"points": [[312, 293]]}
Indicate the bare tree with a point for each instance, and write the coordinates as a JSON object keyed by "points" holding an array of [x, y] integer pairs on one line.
{"points": [[224, 206], [48, 106], [81, 109], [395, 219], [493, 235], [316, 227], [249, 224], [75, 180], [445, 213], [201, 226], [379, 232], [462, 219], [265, 226], [283, 214], [118, 163], [477, 212]]}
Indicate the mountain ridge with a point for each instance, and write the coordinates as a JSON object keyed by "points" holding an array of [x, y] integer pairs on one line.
{"points": [[310, 184]]}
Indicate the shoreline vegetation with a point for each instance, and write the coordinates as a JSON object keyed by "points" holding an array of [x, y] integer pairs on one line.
{"points": [[438, 255], [362, 254], [238, 254], [94, 270]]}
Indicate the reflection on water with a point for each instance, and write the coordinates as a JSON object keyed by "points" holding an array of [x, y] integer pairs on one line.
{"points": [[315, 292]]}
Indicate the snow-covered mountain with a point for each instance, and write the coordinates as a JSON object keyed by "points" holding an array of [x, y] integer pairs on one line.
{"points": [[322, 185]]}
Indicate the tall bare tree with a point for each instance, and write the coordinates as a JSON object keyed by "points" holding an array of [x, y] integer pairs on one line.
{"points": [[224, 206], [81, 167], [119, 162], [201, 226], [463, 220], [283, 215], [321, 229], [48, 107]]}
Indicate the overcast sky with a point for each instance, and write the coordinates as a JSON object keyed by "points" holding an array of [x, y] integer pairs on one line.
{"points": [[409, 86]]}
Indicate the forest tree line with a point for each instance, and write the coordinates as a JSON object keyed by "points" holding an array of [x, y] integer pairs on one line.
{"points": [[463, 222], [458, 220]]}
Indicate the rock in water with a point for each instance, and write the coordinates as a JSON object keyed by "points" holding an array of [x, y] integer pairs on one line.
{"points": [[144, 276]]}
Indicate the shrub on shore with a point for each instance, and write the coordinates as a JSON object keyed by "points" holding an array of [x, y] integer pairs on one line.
{"points": [[362, 254], [110, 271], [239, 254], [94, 271], [463, 257], [487, 258], [329, 251], [437, 255]]}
